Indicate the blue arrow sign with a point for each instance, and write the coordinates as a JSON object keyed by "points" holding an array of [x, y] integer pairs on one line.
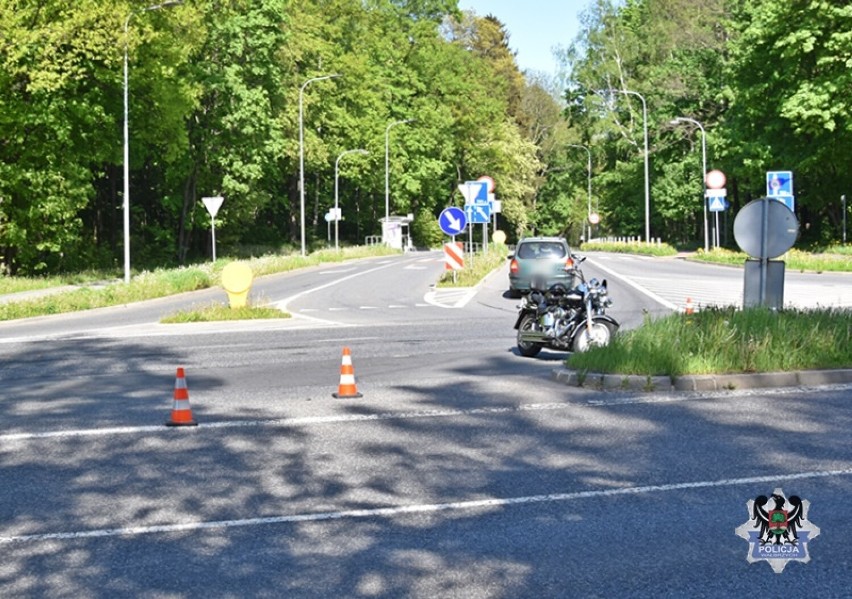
{"points": [[478, 213], [779, 184], [452, 220]]}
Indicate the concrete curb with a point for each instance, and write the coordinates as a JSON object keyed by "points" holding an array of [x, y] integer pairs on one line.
{"points": [[703, 382]]}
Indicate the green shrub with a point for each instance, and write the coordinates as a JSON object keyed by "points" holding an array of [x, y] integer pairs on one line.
{"points": [[727, 340]]}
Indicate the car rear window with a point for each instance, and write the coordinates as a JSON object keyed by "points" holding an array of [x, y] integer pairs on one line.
{"points": [[541, 250]]}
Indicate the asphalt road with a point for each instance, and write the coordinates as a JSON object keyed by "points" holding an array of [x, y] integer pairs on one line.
{"points": [[463, 471]]}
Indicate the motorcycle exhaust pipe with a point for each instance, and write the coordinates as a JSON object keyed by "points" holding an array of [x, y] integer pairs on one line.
{"points": [[533, 337]]}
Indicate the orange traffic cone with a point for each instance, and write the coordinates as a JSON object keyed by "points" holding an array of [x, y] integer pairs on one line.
{"points": [[688, 309], [347, 386], [181, 412]]}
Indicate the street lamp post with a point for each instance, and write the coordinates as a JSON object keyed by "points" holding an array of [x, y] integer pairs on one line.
{"points": [[647, 177], [589, 213], [336, 201], [843, 202], [683, 119], [302, 152], [126, 202], [387, 163]]}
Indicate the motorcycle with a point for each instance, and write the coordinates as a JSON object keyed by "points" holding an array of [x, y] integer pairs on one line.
{"points": [[565, 319]]}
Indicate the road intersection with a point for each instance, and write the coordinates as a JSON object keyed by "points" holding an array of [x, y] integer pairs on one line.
{"points": [[463, 471]]}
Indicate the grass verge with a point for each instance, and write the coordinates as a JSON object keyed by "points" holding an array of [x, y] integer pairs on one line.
{"points": [[727, 340], [832, 259], [638, 247], [476, 267], [220, 312], [165, 282]]}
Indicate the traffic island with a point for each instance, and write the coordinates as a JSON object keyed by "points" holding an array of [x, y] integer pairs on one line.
{"points": [[700, 382]]}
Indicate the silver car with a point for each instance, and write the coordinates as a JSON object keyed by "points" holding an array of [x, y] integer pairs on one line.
{"points": [[545, 259]]}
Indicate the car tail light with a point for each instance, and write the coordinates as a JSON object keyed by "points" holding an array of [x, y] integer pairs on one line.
{"points": [[513, 266], [569, 264]]}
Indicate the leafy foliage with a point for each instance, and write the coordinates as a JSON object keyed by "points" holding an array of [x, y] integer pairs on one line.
{"points": [[215, 87], [767, 79]]}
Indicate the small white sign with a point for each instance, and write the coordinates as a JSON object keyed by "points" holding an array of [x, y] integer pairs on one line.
{"points": [[213, 204]]}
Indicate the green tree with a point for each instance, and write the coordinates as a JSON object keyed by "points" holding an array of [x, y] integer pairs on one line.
{"points": [[53, 57], [236, 133], [790, 107]]}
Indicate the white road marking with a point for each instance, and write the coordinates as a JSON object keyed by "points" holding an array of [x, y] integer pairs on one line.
{"points": [[636, 286], [414, 268], [282, 305], [452, 297], [369, 308], [336, 271], [424, 508], [285, 422], [383, 416]]}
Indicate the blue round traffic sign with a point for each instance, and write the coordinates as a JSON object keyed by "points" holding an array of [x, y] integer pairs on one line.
{"points": [[452, 220]]}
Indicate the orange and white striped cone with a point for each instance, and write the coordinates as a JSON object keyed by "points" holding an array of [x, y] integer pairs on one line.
{"points": [[181, 412], [347, 386]]}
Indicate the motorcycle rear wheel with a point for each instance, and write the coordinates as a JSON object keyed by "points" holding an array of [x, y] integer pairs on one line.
{"points": [[600, 335], [526, 348]]}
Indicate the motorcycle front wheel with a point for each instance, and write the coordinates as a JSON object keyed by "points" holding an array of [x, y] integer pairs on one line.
{"points": [[599, 335], [527, 348]]}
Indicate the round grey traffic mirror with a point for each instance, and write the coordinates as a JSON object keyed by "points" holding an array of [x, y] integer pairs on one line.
{"points": [[765, 228]]}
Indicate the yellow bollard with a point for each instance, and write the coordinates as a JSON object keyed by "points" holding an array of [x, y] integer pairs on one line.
{"points": [[236, 279]]}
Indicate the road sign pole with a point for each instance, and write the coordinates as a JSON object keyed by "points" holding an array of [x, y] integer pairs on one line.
{"points": [[455, 273], [717, 240], [213, 230], [470, 242]]}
